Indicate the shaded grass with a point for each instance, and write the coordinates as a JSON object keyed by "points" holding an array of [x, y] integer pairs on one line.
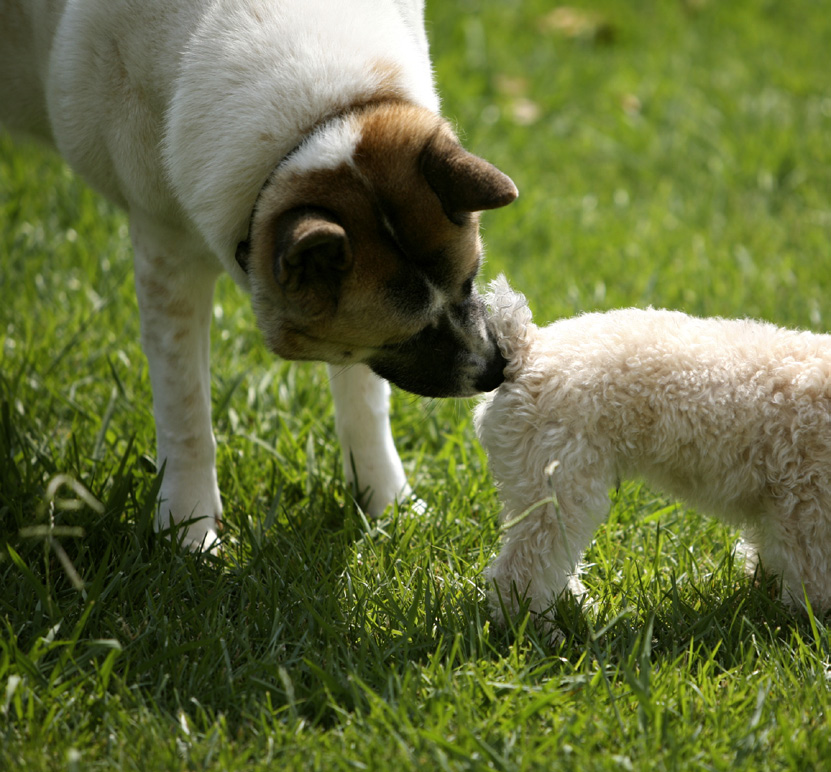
{"points": [[680, 160]]}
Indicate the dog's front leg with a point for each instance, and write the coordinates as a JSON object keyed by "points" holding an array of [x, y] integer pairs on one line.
{"points": [[174, 285], [370, 460]]}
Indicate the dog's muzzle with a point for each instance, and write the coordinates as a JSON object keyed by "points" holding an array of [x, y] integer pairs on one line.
{"points": [[493, 372], [439, 363]]}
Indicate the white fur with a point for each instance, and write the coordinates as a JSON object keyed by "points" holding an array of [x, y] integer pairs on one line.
{"points": [[178, 112], [327, 148], [733, 416], [363, 427]]}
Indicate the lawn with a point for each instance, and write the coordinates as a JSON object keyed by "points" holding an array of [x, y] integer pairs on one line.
{"points": [[671, 154]]}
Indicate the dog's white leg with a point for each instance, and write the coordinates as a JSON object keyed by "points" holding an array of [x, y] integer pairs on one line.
{"points": [[370, 461], [175, 291]]}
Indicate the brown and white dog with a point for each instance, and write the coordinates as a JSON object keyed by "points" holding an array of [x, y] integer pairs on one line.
{"points": [[295, 144]]}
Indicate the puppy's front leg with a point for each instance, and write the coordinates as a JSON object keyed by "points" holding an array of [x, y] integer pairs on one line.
{"points": [[174, 285], [370, 461]]}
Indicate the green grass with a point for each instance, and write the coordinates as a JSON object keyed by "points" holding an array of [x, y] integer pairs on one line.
{"points": [[674, 154]]}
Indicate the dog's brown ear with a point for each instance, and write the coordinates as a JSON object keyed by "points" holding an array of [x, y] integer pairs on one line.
{"points": [[311, 246], [462, 181]]}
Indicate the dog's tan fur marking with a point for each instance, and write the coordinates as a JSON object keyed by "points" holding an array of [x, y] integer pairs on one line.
{"points": [[392, 142]]}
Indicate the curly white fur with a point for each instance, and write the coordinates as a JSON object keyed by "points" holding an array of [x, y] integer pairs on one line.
{"points": [[733, 416]]}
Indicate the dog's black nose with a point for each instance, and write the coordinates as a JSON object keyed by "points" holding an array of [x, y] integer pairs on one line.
{"points": [[493, 374]]}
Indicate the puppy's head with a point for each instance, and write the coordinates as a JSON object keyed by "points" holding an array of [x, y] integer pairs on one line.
{"points": [[364, 247], [510, 320], [502, 418]]}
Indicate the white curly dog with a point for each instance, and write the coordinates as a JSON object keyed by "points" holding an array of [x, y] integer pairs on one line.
{"points": [[732, 416]]}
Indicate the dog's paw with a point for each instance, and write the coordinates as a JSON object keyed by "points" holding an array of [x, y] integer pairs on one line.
{"points": [[376, 477], [203, 538], [200, 534], [191, 513], [374, 506]]}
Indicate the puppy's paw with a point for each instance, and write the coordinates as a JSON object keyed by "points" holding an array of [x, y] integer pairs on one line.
{"points": [[511, 596], [505, 601], [578, 591], [545, 622]]}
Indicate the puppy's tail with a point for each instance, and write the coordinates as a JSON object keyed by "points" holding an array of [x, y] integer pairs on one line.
{"points": [[510, 318]]}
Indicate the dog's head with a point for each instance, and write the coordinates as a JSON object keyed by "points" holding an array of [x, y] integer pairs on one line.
{"points": [[364, 247]]}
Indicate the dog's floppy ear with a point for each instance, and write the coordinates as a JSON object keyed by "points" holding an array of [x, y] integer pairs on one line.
{"points": [[310, 246], [462, 181]]}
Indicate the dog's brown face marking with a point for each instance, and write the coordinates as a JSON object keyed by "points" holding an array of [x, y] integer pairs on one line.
{"points": [[370, 255]]}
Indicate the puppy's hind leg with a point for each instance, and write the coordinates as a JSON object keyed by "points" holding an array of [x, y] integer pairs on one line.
{"points": [[793, 543], [175, 287], [370, 461]]}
